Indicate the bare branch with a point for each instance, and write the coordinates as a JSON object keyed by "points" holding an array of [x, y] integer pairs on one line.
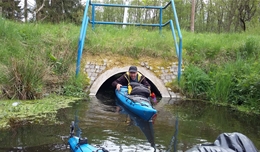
{"points": [[40, 7]]}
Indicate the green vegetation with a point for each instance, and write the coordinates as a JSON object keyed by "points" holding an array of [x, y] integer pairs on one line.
{"points": [[14, 113], [223, 68], [211, 16], [38, 59], [132, 41]]}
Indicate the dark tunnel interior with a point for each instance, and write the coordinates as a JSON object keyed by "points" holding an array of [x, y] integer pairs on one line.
{"points": [[106, 92]]}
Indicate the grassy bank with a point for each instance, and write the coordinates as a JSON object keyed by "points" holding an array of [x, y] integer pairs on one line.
{"points": [[38, 59], [223, 69]]}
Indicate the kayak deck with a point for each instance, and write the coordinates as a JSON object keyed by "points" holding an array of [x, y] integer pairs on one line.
{"points": [[141, 106]]}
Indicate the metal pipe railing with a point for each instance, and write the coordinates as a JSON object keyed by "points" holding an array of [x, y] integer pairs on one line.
{"points": [[82, 37], [129, 6], [180, 40], [86, 20]]}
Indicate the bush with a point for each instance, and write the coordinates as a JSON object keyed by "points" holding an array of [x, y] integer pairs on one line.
{"points": [[76, 86], [36, 59], [222, 83], [195, 82], [247, 85], [23, 79], [250, 48]]}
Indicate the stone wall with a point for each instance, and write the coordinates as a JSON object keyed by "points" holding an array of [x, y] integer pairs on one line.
{"points": [[94, 69], [165, 74]]}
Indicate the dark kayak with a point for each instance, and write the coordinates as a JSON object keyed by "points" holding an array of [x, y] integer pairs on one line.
{"points": [[227, 142]]}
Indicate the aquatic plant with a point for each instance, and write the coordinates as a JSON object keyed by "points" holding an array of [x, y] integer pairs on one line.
{"points": [[14, 113]]}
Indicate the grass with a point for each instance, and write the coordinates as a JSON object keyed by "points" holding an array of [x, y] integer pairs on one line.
{"points": [[132, 41], [219, 48], [230, 63], [40, 58], [36, 59]]}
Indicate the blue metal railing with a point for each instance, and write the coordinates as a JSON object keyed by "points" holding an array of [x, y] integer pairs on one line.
{"points": [[86, 20]]}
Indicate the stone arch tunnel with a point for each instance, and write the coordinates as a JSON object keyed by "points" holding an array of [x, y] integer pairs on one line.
{"points": [[104, 79]]}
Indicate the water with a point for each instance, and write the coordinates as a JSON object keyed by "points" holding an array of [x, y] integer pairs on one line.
{"points": [[197, 123]]}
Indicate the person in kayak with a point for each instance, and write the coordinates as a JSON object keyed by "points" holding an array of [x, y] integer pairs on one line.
{"points": [[131, 76]]}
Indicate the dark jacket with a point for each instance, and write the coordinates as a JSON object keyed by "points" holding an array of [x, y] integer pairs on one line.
{"points": [[124, 80]]}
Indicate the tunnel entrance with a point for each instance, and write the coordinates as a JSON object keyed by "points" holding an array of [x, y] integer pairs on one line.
{"points": [[107, 93], [102, 85]]}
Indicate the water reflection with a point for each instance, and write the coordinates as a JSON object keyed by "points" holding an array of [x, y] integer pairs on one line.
{"points": [[145, 126], [198, 123]]}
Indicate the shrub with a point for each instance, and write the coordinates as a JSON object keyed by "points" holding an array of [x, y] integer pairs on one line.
{"points": [[23, 79], [76, 86], [247, 85], [249, 48], [195, 82], [221, 84]]}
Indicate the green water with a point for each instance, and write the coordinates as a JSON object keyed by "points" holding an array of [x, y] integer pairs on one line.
{"points": [[197, 123]]}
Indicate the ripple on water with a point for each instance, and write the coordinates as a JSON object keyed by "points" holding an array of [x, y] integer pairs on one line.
{"points": [[103, 126]]}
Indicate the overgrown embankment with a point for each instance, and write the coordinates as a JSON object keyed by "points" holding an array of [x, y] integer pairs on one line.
{"points": [[223, 69], [37, 58], [36, 61]]}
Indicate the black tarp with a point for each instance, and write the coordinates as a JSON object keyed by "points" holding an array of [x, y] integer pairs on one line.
{"points": [[227, 142], [139, 89]]}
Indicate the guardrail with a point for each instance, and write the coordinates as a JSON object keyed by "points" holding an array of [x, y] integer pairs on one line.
{"points": [[86, 20]]}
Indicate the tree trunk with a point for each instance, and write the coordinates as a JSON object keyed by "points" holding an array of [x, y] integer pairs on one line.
{"points": [[37, 11], [25, 11], [0, 9], [243, 24], [125, 13], [208, 16], [192, 15]]}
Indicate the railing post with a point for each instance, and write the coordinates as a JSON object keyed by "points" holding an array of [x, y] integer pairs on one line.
{"points": [[179, 66], [160, 22], [82, 37], [180, 40], [174, 38], [86, 20], [93, 17]]}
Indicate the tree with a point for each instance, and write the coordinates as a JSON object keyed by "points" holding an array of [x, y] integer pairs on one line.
{"points": [[25, 10], [192, 15], [1, 9], [246, 11], [56, 11], [11, 9]]}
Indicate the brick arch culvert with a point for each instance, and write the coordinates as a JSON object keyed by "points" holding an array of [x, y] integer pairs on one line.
{"points": [[157, 85]]}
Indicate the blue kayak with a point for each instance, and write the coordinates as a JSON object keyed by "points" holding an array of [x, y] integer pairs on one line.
{"points": [[139, 105], [81, 144]]}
